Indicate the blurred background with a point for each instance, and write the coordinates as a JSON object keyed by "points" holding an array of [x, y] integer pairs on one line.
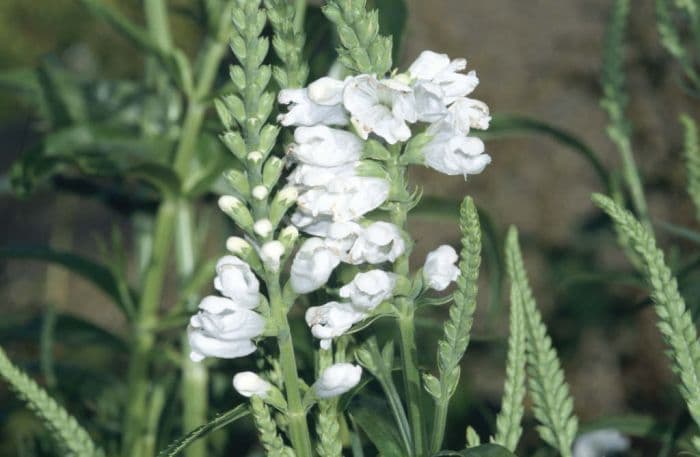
{"points": [[539, 59]]}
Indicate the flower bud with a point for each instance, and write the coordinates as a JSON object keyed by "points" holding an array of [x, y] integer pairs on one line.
{"points": [[255, 156], [272, 171], [260, 192], [234, 142], [439, 269], [271, 253], [288, 236], [268, 137], [263, 227], [224, 115], [250, 384], [238, 246], [236, 210], [239, 181], [337, 379], [283, 200]]}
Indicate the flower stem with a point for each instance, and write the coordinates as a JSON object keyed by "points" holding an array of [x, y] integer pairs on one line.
{"points": [[439, 422], [298, 427]]}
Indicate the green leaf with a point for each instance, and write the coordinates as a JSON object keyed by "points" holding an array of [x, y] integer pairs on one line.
{"points": [[162, 178], [680, 231], [379, 430], [93, 272], [65, 430], [508, 125], [485, 450], [691, 151], [217, 423]]}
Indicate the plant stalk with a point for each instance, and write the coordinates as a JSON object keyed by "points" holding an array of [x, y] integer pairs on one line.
{"points": [[298, 427]]}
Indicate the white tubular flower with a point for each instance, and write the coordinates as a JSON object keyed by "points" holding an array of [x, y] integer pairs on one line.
{"points": [[305, 111], [345, 199], [325, 147], [367, 290], [430, 106], [382, 107], [271, 253], [236, 280], [453, 154], [331, 320], [307, 176], [225, 335], [337, 379], [327, 91], [466, 113], [380, 242], [250, 384], [437, 69], [340, 234], [313, 265], [439, 269], [600, 443]]}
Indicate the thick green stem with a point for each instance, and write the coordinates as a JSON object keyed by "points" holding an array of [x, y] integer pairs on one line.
{"points": [[143, 337], [412, 379], [298, 427], [194, 375], [439, 422]]}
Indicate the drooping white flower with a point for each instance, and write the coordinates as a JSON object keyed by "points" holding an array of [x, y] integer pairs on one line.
{"points": [[313, 265], [324, 146], [227, 334], [379, 242], [600, 443], [367, 290], [235, 280], [454, 154], [312, 107], [345, 199], [250, 384], [444, 75], [382, 107], [439, 269], [337, 379], [331, 320]]}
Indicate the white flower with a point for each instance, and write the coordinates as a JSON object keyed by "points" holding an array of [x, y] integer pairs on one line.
{"points": [[236, 280], [227, 334], [430, 106], [383, 107], [325, 147], [250, 384], [439, 269], [466, 113], [260, 192], [337, 379], [331, 320], [327, 91], [306, 176], [305, 111], [270, 254], [367, 290], [263, 227], [454, 154], [600, 443], [443, 73], [313, 265], [346, 198], [380, 242]]}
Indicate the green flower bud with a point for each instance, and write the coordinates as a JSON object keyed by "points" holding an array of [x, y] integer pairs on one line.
{"points": [[244, 251], [371, 169], [268, 138], [234, 142], [272, 171], [239, 181], [288, 237], [224, 115], [283, 200], [236, 210], [236, 107], [237, 76]]}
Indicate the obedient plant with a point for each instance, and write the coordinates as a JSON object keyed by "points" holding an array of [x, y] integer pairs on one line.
{"points": [[314, 324]]}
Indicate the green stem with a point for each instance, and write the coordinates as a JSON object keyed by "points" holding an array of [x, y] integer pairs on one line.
{"points": [[159, 30], [439, 422], [300, 14], [143, 339], [634, 182], [298, 427], [194, 375], [412, 379]]}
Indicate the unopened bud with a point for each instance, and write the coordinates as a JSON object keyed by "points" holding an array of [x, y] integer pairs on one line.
{"points": [[271, 254], [263, 227], [260, 192], [237, 211]]}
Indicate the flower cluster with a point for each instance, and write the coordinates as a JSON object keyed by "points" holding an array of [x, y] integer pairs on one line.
{"points": [[338, 183]]}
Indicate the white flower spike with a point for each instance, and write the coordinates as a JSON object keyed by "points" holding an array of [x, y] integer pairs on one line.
{"points": [[337, 379]]}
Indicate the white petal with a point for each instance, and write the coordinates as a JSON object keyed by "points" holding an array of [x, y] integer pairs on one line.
{"points": [[337, 379]]}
